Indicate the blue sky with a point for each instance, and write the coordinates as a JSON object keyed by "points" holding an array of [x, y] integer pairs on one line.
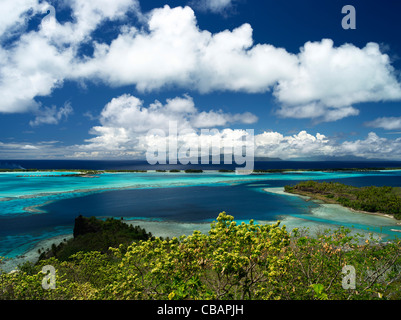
{"points": [[82, 80]]}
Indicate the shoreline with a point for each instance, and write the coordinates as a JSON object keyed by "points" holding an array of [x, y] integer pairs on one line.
{"points": [[386, 215], [280, 190], [32, 255]]}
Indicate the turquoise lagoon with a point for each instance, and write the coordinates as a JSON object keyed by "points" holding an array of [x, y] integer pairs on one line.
{"points": [[38, 206]]}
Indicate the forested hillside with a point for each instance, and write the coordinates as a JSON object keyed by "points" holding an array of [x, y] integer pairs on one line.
{"points": [[233, 261], [370, 199]]}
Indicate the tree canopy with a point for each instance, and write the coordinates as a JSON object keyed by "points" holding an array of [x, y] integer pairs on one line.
{"points": [[233, 261]]}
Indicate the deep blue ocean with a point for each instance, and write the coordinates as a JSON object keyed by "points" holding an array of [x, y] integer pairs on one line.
{"points": [[36, 208], [143, 165]]}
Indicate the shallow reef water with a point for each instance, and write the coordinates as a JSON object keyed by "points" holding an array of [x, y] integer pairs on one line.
{"points": [[39, 206]]}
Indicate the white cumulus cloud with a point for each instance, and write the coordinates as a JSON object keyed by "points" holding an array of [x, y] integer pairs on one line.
{"points": [[301, 145], [125, 121], [41, 60], [387, 123], [330, 80], [51, 115], [373, 147], [168, 49]]}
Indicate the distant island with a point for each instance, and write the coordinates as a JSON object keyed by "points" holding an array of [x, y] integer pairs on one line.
{"points": [[92, 173]]}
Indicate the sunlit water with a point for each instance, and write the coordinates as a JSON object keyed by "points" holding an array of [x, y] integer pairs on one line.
{"points": [[35, 207]]}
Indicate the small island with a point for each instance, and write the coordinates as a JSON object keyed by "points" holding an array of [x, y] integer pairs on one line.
{"points": [[372, 199]]}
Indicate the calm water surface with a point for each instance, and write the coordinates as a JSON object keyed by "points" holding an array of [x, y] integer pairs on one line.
{"points": [[38, 207]]}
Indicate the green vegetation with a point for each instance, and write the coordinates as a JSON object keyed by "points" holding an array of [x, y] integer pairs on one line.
{"points": [[127, 170], [233, 261], [91, 234], [193, 171], [371, 199]]}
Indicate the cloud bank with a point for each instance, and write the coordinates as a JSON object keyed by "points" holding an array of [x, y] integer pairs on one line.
{"points": [[127, 130], [169, 50], [125, 122], [386, 123], [165, 48]]}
